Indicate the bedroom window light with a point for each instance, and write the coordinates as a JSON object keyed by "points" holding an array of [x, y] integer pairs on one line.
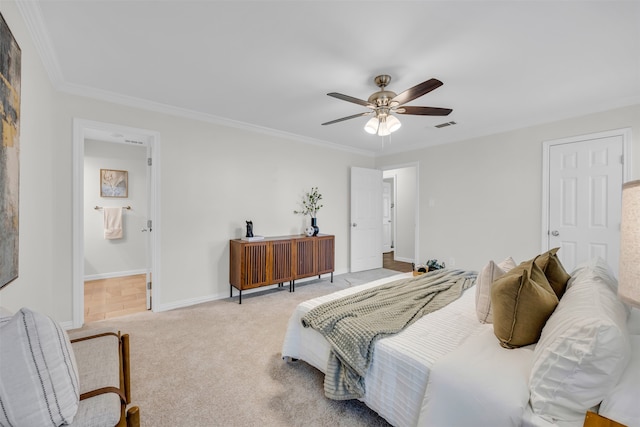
{"points": [[629, 281]]}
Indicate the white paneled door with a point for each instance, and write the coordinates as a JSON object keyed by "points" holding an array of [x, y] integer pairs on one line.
{"points": [[585, 188], [366, 219]]}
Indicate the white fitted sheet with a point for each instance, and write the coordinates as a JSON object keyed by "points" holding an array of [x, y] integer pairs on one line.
{"points": [[398, 376]]}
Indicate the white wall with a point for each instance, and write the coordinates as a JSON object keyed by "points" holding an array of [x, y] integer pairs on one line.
{"points": [[486, 190], [405, 211], [485, 193], [111, 258], [213, 178], [41, 222]]}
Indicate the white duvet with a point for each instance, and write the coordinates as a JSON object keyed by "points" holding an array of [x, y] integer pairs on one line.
{"points": [[447, 369], [397, 378]]}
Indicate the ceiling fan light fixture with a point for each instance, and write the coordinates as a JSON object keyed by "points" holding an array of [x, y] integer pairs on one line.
{"points": [[393, 124], [372, 125], [383, 130], [384, 102]]}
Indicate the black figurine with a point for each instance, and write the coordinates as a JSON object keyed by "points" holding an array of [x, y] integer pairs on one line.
{"points": [[249, 228]]}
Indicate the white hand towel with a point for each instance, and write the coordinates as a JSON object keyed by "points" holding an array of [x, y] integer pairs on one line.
{"points": [[113, 223]]}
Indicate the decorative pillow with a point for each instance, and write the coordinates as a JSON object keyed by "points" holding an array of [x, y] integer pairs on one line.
{"points": [[621, 404], [522, 300], [552, 268], [489, 273], [38, 374], [583, 350]]}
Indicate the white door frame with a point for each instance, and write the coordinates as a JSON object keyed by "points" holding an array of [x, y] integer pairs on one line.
{"points": [[627, 162], [80, 127], [416, 239]]}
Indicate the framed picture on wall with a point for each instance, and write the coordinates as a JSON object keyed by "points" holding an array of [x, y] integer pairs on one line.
{"points": [[10, 69], [114, 183]]}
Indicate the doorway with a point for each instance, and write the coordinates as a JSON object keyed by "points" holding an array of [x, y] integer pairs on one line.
{"points": [[124, 265], [388, 205], [115, 267], [582, 187], [403, 214], [366, 214]]}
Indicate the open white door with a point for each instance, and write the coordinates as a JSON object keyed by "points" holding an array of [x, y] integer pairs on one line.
{"points": [[366, 219], [149, 226]]}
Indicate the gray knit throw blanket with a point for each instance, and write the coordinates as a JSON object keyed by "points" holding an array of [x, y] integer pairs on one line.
{"points": [[354, 323]]}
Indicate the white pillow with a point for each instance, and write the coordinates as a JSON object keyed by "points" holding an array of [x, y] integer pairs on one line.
{"points": [[489, 273], [595, 266], [623, 403], [582, 352], [38, 373]]}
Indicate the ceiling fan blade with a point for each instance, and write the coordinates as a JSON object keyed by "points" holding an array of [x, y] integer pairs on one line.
{"points": [[416, 91], [424, 111], [351, 99], [347, 118]]}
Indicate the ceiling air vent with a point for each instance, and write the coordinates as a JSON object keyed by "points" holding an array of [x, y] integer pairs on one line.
{"points": [[444, 125]]}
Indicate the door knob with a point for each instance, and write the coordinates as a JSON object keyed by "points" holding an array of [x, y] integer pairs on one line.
{"points": [[354, 224], [555, 233]]}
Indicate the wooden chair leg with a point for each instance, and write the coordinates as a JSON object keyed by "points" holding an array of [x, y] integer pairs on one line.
{"points": [[133, 417], [126, 367]]}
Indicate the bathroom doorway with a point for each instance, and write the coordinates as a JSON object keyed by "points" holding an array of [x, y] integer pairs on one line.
{"points": [[113, 273]]}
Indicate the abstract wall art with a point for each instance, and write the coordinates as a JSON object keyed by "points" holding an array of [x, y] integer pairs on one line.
{"points": [[10, 65]]}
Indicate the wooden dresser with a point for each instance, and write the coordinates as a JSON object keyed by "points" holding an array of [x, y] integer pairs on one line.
{"points": [[278, 260]]}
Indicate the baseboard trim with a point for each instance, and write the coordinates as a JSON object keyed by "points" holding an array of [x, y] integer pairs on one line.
{"points": [[90, 277], [207, 298]]}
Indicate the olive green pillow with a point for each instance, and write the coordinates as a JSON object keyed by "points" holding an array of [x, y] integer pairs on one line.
{"points": [[552, 268], [522, 300]]}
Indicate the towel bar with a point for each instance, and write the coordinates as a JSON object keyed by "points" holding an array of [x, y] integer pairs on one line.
{"points": [[124, 207]]}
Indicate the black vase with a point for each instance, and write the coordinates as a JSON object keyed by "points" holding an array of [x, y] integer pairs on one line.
{"points": [[314, 224]]}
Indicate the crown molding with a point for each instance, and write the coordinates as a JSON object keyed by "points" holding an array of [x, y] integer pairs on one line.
{"points": [[157, 107], [32, 15]]}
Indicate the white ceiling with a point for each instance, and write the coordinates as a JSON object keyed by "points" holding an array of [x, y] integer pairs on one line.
{"points": [[268, 65]]}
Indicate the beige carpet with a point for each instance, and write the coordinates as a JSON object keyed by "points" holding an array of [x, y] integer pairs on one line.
{"points": [[219, 363]]}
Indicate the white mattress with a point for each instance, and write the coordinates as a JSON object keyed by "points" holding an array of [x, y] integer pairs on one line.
{"points": [[398, 376]]}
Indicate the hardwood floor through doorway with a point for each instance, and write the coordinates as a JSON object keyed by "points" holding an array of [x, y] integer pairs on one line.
{"points": [[390, 263], [109, 298]]}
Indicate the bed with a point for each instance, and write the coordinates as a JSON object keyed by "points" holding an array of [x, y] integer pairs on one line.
{"points": [[449, 360]]}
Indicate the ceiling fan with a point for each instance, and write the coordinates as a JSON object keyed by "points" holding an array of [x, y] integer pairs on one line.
{"points": [[384, 102]]}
